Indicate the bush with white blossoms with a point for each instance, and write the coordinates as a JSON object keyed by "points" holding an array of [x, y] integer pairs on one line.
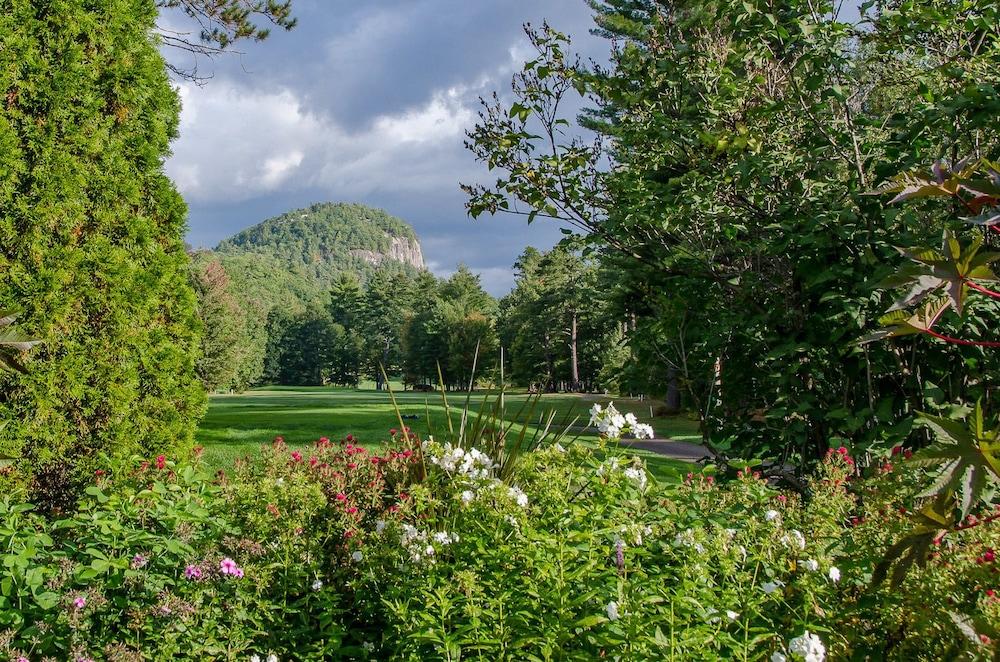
{"points": [[612, 424], [338, 553]]}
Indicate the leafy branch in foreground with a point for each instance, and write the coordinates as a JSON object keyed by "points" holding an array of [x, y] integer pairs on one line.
{"points": [[963, 459]]}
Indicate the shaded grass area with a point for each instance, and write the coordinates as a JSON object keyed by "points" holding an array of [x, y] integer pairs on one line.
{"points": [[237, 425]]}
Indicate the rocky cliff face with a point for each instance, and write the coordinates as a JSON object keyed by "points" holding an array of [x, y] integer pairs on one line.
{"points": [[401, 250]]}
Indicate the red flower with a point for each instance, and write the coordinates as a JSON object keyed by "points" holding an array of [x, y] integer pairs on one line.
{"points": [[99, 473], [907, 454], [376, 459], [896, 450], [352, 465], [989, 556], [351, 510], [341, 497], [296, 456], [393, 432], [161, 461]]}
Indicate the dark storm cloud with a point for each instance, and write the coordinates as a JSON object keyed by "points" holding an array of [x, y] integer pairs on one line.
{"points": [[365, 102]]}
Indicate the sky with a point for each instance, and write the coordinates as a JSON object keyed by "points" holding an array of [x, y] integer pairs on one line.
{"points": [[364, 102]]}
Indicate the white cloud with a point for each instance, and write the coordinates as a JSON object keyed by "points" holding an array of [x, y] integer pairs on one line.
{"points": [[238, 144]]}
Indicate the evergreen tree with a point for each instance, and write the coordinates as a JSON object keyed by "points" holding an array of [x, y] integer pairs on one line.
{"points": [[223, 329], [383, 309], [92, 242]]}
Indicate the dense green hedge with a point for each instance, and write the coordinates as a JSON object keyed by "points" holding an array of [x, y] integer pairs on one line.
{"points": [[91, 240]]}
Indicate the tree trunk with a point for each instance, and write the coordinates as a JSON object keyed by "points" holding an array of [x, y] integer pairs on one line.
{"points": [[574, 365], [673, 397]]}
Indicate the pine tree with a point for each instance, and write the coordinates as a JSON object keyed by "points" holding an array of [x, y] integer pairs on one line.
{"points": [[223, 336], [91, 242]]}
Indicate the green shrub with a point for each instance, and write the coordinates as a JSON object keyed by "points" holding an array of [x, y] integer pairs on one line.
{"points": [[423, 553], [92, 243]]}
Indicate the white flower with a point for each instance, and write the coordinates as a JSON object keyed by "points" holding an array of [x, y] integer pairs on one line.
{"points": [[771, 515], [520, 497], [595, 414], [255, 658], [631, 419], [794, 539], [429, 550], [812, 565], [732, 615], [642, 431], [279, 482], [357, 556], [771, 587], [368, 646], [558, 447], [317, 585], [612, 610], [637, 476], [379, 526], [468, 496], [807, 647], [684, 538], [834, 573], [778, 657], [272, 658]]}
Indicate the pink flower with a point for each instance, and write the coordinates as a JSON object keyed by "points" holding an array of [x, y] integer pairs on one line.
{"points": [[393, 432], [989, 556], [80, 602], [161, 461], [296, 456], [227, 566], [192, 572], [139, 561], [896, 450], [341, 496], [351, 510], [21, 659]]}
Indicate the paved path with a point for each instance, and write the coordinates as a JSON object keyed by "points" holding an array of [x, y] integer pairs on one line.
{"points": [[676, 450]]}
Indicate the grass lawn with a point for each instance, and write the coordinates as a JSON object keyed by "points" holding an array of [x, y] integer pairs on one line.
{"points": [[236, 425]]}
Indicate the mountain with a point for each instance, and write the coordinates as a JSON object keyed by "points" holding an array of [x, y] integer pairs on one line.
{"points": [[321, 241], [286, 265]]}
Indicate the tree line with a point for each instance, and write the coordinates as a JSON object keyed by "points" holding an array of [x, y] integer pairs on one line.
{"points": [[553, 326]]}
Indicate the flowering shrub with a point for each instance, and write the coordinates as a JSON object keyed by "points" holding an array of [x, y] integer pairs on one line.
{"points": [[612, 424], [425, 551]]}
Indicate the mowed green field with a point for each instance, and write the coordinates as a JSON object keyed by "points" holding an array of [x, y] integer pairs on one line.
{"points": [[237, 425]]}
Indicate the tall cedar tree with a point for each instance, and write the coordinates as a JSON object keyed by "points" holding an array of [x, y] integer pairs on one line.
{"points": [[91, 243]]}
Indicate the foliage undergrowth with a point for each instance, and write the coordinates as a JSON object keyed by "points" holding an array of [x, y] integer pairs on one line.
{"points": [[425, 552]]}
